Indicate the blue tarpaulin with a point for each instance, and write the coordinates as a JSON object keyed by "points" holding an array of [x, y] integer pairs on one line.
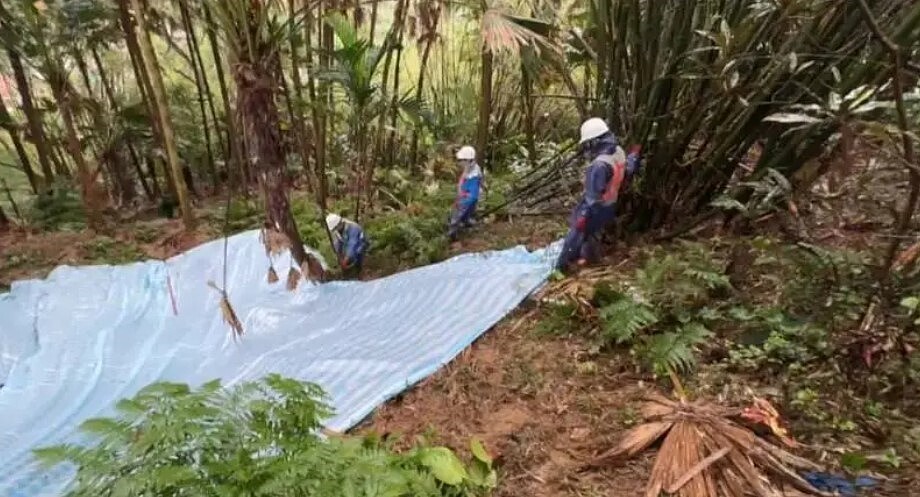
{"points": [[73, 344]]}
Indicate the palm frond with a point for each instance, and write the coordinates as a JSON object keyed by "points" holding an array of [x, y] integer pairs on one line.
{"points": [[504, 32]]}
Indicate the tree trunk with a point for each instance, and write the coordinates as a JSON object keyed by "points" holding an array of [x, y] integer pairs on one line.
{"points": [[256, 101], [322, 187], [196, 53], [297, 115], [418, 93], [122, 187], [234, 143], [92, 198], [4, 221], [199, 85], [129, 142], [142, 78], [34, 120], [390, 39], [373, 21], [527, 97], [485, 106], [5, 117], [394, 109], [162, 106]]}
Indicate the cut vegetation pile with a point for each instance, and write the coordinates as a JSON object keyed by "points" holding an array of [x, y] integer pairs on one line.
{"points": [[706, 453]]}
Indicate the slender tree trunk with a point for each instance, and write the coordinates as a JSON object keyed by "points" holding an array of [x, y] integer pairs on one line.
{"points": [[33, 119], [234, 143], [5, 117], [328, 44], [196, 53], [4, 221], [322, 188], [418, 93], [394, 108], [296, 114], [122, 188], [199, 85], [373, 21], [527, 97], [129, 142], [485, 105], [62, 92], [388, 43], [159, 94], [146, 91]]}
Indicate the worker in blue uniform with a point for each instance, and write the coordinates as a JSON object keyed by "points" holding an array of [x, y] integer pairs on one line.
{"points": [[610, 167], [467, 192], [349, 242]]}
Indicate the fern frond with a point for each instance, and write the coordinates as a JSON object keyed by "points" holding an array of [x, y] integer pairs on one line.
{"points": [[675, 350], [625, 318]]}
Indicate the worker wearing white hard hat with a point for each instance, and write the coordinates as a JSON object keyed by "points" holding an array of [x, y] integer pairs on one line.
{"points": [[349, 242], [609, 167], [468, 187]]}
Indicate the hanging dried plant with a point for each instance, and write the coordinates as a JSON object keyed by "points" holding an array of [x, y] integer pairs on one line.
{"points": [[293, 279], [227, 312], [272, 275]]}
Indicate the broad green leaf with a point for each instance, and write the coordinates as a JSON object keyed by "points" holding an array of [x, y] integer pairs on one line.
{"points": [[479, 451], [444, 465]]}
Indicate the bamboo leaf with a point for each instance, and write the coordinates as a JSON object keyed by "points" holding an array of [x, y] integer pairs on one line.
{"points": [[790, 118]]}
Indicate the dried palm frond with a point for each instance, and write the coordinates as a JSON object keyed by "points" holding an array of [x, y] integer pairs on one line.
{"points": [[272, 275], [706, 453], [227, 312], [293, 279]]}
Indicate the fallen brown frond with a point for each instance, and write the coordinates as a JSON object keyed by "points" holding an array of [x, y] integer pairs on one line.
{"points": [[705, 452], [272, 275], [227, 312], [293, 279]]}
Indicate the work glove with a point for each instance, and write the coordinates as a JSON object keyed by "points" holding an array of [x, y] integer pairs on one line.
{"points": [[581, 224], [344, 263]]}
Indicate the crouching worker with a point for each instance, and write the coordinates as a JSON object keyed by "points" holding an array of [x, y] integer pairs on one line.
{"points": [[608, 170], [467, 192], [350, 244]]}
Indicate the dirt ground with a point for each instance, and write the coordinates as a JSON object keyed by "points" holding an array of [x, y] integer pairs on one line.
{"points": [[543, 406]]}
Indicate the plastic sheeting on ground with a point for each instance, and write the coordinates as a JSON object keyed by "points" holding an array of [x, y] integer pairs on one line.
{"points": [[75, 343]]}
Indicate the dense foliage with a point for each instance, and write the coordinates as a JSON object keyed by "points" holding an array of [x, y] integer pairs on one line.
{"points": [[255, 439]]}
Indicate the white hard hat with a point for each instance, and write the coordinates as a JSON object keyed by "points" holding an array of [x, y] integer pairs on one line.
{"points": [[333, 221], [593, 128], [466, 152]]}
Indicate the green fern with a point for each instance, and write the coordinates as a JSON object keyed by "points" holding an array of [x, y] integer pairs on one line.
{"points": [[674, 350], [624, 318]]}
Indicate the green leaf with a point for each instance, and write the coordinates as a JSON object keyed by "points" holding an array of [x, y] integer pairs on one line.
{"points": [[479, 451], [910, 303], [444, 465], [853, 461]]}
